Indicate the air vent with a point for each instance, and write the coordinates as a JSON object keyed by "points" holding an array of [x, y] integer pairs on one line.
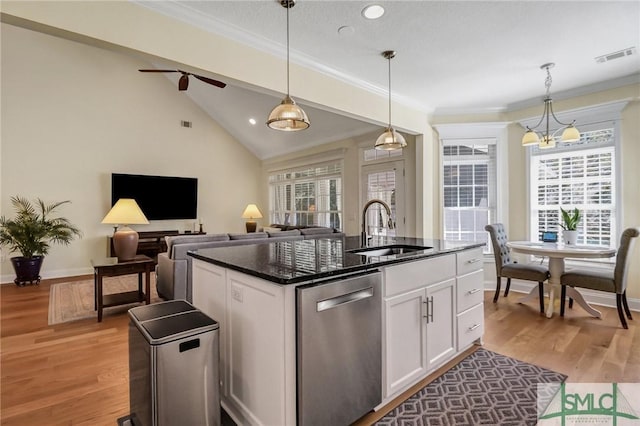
{"points": [[184, 123], [616, 55]]}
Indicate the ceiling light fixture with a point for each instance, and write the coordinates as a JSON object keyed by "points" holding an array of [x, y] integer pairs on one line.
{"points": [[390, 140], [373, 11], [546, 140], [288, 116], [252, 121]]}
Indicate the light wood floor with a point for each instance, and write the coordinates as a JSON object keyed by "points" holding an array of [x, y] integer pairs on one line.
{"points": [[77, 373]]}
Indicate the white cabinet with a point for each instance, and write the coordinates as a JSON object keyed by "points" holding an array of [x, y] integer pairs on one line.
{"points": [[433, 310], [257, 351], [419, 322], [470, 297]]}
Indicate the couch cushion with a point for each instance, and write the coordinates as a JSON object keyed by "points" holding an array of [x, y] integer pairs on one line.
{"points": [[282, 234], [249, 236], [188, 239], [315, 231]]}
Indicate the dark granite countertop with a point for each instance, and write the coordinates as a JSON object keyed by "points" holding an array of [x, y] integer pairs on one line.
{"points": [[292, 262]]}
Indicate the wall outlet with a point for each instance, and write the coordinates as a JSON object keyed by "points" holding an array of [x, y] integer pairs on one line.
{"points": [[236, 294]]}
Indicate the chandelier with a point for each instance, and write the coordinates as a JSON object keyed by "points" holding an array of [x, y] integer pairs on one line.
{"points": [[546, 140]]}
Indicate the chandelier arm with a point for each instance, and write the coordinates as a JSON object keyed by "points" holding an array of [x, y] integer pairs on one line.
{"points": [[558, 121], [544, 114]]}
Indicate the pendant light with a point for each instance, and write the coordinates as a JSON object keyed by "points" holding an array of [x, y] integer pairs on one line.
{"points": [[288, 116], [390, 140], [547, 140]]}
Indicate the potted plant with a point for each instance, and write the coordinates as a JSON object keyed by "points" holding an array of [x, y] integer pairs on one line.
{"points": [[31, 232], [570, 225]]}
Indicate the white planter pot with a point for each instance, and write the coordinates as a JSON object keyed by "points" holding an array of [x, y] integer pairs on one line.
{"points": [[570, 238]]}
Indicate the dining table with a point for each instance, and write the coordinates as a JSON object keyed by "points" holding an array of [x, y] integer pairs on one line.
{"points": [[557, 253]]}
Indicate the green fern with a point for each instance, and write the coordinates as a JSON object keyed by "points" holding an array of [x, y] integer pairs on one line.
{"points": [[33, 230]]}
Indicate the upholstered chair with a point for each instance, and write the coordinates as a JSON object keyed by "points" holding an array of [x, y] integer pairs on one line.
{"points": [[612, 282], [506, 267]]}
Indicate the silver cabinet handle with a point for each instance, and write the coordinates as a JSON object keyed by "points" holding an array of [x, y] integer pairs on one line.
{"points": [[476, 260], [473, 327], [430, 310], [475, 290], [344, 298]]}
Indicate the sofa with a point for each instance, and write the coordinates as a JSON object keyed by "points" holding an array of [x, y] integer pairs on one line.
{"points": [[173, 272]]}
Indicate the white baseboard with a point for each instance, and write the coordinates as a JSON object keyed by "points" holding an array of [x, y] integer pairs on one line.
{"points": [[60, 273], [592, 296]]}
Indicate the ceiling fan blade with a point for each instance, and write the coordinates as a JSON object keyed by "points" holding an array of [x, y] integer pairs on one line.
{"points": [[154, 70], [210, 81], [183, 83]]}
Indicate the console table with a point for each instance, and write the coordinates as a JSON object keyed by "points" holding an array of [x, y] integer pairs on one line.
{"points": [[110, 267], [150, 243]]}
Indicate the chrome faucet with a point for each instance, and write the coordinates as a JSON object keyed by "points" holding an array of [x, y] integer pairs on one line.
{"points": [[369, 203]]}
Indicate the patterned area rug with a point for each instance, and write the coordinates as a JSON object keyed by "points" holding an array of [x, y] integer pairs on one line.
{"points": [[485, 388], [74, 300]]}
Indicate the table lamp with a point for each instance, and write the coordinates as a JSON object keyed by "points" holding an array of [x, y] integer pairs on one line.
{"points": [[125, 240], [251, 212]]}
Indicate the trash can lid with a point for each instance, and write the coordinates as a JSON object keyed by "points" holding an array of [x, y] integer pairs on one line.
{"points": [[185, 324], [162, 309]]}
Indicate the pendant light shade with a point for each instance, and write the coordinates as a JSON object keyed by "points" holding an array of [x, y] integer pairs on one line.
{"points": [[288, 116], [390, 140]]}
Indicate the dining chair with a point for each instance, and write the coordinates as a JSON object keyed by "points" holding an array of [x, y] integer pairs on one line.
{"points": [[611, 281], [508, 268]]}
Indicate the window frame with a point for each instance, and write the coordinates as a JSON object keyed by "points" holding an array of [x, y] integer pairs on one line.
{"points": [[306, 180], [460, 133]]}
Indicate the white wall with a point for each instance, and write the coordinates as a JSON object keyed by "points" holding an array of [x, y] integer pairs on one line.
{"points": [[72, 114]]}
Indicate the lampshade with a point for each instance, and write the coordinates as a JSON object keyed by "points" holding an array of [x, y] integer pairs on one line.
{"points": [[390, 140], [251, 212], [125, 240], [547, 142], [125, 212], [570, 134], [288, 116], [530, 138]]}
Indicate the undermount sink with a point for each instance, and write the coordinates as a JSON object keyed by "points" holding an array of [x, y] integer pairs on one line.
{"points": [[388, 250]]}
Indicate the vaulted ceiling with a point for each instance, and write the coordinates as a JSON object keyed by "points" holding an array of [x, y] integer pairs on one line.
{"points": [[453, 57]]}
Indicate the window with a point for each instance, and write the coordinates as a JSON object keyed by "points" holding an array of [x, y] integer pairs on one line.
{"points": [[469, 188], [310, 195], [378, 154], [582, 175]]}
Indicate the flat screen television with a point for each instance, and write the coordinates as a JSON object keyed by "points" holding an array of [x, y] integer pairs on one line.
{"points": [[159, 197]]}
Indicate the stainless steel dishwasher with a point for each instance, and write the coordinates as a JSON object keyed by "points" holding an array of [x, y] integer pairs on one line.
{"points": [[339, 343]]}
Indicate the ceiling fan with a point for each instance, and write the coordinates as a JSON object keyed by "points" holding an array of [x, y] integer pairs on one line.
{"points": [[183, 83]]}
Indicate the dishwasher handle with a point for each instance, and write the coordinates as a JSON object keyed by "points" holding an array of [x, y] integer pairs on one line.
{"points": [[343, 299]]}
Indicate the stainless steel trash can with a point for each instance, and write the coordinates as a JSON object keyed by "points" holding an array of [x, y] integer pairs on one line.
{"points": [[173, 366]]}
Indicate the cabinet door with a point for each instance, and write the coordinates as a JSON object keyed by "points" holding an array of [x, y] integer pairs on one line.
{"points": [[441, 315], [405, 340]]}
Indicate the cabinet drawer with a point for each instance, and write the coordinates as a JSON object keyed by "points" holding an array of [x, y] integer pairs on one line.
{"points": [[412, 275], [470, 326], [470, 290], [469, 261]]}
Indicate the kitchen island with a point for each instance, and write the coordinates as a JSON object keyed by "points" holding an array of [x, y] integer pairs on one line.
{"points": [[427, 309]]}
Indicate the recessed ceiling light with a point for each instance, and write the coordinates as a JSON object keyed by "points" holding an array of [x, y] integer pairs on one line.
{"points": [[252, 121], [346, 30], [373, 11]]}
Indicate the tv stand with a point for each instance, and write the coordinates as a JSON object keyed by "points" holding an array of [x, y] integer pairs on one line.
{"points": [[150, 243]]}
